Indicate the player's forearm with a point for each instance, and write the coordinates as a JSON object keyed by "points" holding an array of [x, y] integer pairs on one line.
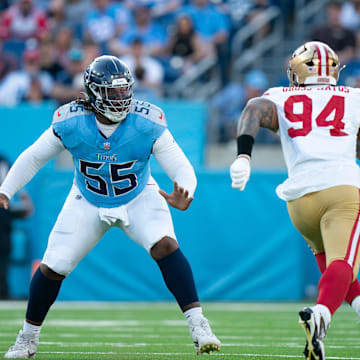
{"points": [[247, 129], [174, 162], [249, 121], [185, 177], [179, 169], [30, 161], [258, 112]]}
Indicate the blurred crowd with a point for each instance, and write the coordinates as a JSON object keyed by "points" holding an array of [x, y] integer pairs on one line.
{"points": [[45, 45], [340, 29]]}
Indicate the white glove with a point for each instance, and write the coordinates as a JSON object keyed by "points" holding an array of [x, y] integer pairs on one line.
{"points": [[240, 172]]}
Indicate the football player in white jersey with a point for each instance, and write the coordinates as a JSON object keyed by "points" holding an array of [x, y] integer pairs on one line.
{"points": [[111, 137], [318, 123]]}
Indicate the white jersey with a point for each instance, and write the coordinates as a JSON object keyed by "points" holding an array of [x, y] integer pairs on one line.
{"points": [[318, 127]]}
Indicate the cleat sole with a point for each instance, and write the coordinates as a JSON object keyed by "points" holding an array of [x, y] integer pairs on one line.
{"points": [[209, 348]]}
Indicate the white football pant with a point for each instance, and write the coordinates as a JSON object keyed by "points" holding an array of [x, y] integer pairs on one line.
{"points": [[80, 225]]}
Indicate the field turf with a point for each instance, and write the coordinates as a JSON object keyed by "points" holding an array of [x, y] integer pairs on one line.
{"points": [[129, 331]]}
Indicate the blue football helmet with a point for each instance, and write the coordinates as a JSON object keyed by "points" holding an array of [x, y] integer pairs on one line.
{"points": [[109, 87]]}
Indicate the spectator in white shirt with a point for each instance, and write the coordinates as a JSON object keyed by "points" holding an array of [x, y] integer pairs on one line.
{"points": [[148, 72], [17, 85]]}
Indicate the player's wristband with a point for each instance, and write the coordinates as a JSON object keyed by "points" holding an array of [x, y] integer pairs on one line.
{"points": [[245, 144]]}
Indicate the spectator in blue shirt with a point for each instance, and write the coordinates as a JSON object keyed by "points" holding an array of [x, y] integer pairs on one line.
{"points": [[227, 105], [75, 11], [213, 25], [152, 35], [105, 21], [164, 11]]}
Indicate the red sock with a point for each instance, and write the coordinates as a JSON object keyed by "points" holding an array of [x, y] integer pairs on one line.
{"points": [[354, 289], [321, 261], [334, 284]]}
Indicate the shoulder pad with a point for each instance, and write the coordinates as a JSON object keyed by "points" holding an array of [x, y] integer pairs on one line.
{"points": [[68, 111], [272, 90], [148, 111]]}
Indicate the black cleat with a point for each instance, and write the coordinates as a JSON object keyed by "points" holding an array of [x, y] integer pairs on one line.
{"points": [[315, 331]]}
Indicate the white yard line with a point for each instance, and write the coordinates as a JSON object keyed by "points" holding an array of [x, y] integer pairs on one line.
{"points": [[191, 354], [157, 336], [214, 306], [186, 344], [103, 323]]}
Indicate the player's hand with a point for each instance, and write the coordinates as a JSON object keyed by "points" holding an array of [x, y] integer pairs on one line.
{"points": [[179, 198], [4, 201], [240, 172]]}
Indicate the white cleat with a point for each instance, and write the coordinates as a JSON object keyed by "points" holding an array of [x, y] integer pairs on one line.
{"points": [[315, 328], [24, 348], [204, 339]]}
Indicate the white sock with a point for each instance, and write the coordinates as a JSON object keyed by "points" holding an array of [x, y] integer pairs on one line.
{"points": [[325, 313], [355, 304], [30, 328], [189, 314]]}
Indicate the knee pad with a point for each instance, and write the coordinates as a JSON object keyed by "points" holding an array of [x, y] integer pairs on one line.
{"points": [[58, 265]]}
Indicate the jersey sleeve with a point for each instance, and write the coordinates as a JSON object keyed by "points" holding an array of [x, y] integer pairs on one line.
{"points": [[158, 118], [174, 162], [152, 115], [157, 115], [30, 161], [272, 93], [148, 111], [59, 117], [64, 123]]}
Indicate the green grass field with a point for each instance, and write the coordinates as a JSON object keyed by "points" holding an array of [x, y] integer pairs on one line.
{"points": [[128, 331]]}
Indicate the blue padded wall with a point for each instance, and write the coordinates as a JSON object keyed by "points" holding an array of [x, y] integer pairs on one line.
{"points": [[241, 245]]}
